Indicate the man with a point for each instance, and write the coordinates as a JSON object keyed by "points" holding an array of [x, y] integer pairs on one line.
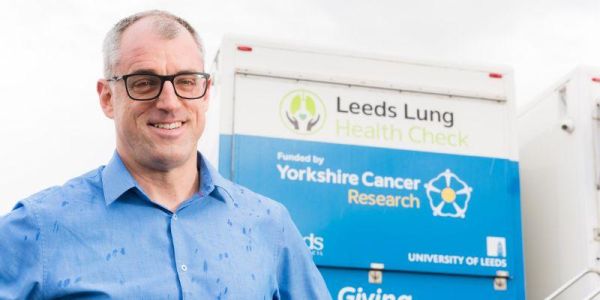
{"points": [[157, 221]]}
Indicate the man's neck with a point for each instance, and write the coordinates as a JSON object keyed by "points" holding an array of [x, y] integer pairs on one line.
{"points": [[167, 188]]}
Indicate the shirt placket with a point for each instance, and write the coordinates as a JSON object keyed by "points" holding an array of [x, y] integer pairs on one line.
{"points": [[181, 255]]}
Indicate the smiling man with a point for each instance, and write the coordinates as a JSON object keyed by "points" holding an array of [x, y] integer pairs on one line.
{"points": [[157, 221]]}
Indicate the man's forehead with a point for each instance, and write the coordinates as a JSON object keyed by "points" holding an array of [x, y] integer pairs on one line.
{"points": [[142, 45]]}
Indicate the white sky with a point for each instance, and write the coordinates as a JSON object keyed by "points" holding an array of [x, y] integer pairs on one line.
{"points": [[54, 130]]}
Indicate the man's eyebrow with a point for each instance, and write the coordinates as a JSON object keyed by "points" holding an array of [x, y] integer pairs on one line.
{"points": [[153, 72], [144, 71], [189, 71]]}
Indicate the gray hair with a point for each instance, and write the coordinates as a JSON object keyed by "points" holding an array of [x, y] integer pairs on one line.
{"points": [[167, 25]]}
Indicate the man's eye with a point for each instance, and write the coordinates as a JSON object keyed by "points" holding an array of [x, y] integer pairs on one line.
{"points": [[186, 82], [144, 84]]}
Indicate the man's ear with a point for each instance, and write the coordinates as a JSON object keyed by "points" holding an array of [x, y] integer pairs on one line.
{"points": [[106, 97]]}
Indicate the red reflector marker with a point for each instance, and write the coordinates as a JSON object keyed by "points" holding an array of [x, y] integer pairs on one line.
{"points": [[495, 75], [596, 79], [245, 48]]}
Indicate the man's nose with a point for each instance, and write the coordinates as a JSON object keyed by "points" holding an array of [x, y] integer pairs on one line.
{"points": [[167, 99]]}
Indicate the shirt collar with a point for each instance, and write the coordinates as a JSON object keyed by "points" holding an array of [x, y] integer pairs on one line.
{"points": [[212, 182], [116, 180]]}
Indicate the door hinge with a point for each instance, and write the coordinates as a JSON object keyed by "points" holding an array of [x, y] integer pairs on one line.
{"points": [[376, 273], [501, 281]]}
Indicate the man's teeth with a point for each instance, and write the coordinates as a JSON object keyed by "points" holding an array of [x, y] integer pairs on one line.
{"points": [[168, 125]]}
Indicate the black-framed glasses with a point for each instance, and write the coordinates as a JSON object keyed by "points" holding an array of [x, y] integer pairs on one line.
{"points": [[146, 87]]}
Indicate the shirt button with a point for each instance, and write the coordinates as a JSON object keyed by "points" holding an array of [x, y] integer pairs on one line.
{"points": [[174, 216], [184, 268]]}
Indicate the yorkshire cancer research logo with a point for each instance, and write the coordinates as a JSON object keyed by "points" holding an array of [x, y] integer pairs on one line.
{"points": [[302, 111], [448, 195]]}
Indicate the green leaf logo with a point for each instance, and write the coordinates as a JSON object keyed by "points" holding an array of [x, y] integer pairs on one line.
{"points": [[302, 111]]}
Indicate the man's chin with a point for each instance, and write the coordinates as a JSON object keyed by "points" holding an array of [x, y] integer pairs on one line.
{"points": [[168, 159]]}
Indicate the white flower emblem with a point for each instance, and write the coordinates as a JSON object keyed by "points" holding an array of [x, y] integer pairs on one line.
{"points": [[448, 195]]}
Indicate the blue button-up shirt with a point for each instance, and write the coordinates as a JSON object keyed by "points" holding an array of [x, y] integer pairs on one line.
{"points": [[100, 236]]}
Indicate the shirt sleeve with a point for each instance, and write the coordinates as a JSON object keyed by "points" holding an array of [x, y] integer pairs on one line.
{"points": [[20, 255], [298, 276]]}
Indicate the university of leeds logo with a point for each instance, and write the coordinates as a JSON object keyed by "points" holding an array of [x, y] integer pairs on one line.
{"points": [[302, 111], [448, 195]]}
